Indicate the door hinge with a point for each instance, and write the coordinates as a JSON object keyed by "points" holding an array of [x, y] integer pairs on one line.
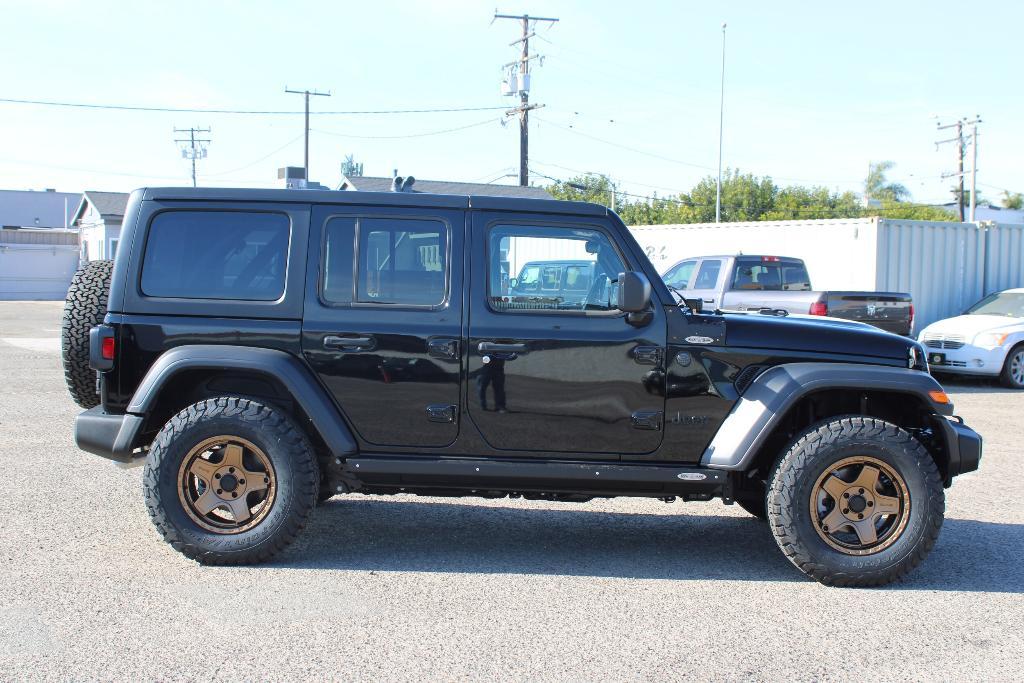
{"points": [[647, 355], [647, 419], [441, 412]]}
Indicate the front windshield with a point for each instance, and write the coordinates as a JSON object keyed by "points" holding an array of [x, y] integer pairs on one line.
{"points": [[1001, 303]]}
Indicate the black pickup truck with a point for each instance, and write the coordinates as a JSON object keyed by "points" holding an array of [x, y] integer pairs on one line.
{"points": [[262, 350]]}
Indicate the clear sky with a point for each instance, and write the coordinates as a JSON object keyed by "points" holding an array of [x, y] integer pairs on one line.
{"points": [[814, 91]]}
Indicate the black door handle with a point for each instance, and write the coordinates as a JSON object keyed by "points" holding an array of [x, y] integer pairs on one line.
{"points": [[495, 347], [335, 342]]}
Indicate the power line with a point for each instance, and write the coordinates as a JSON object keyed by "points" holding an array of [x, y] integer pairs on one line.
{"points": [[411, 135], [520, 69], [253, 163], [179, 110]]}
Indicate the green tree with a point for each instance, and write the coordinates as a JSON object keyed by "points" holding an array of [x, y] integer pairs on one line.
{"points": [[878, 187], [744, 198], [1013, 200]]}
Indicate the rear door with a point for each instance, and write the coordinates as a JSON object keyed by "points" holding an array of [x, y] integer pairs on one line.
{"points": [[383, 320], [705, 284], [559, 373]]}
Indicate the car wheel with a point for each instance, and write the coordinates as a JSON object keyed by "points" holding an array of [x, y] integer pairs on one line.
{"points": [[1012, 375], [230, 481], [755, 505], [856, 501], [84, 308]]}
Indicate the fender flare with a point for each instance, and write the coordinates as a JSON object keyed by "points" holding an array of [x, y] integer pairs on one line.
{"points": [[324, 416], [778, 389]]}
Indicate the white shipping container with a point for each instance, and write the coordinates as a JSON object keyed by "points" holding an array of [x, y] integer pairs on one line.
{"points": [[1004, 257], [942, 265]]}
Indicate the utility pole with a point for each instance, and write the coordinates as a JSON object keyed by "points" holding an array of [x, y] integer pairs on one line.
{"points": [[721, 121], [523, 86], [307, 93], [974, 166], [961, 152], [193, 148]]}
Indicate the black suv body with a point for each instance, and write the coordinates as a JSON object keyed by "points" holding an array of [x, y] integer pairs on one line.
{"points": [[368, 342]]}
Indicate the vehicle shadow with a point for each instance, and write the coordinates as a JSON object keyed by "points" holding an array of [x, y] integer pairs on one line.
{"points": [[390, 535]]}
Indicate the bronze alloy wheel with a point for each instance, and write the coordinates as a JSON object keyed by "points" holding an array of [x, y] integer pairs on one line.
{"points": [[226, 484], [860, 505]]}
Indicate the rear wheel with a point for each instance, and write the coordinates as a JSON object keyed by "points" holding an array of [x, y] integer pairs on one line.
{"points": [[1012, 375], [856, 501], [230, 481], [84, 308]]}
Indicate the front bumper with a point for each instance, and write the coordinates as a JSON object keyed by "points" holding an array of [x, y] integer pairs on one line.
{"points": [[967, 360], [963, 447], [106, 435]]}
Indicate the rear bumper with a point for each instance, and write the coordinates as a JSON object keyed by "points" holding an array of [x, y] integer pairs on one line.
{"points": [[963, 445], [106, 435]]}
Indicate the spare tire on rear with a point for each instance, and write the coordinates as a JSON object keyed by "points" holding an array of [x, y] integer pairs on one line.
{"points": [[84, 308]]}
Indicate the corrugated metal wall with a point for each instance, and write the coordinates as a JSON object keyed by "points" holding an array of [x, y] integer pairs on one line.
{"points": [[1004, 257], [941, 264]]}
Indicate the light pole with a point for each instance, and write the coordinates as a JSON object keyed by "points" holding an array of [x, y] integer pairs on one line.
{"points": [[721, 119]]}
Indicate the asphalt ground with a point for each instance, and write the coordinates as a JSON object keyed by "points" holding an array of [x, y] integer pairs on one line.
{"points": [[407, 588]]}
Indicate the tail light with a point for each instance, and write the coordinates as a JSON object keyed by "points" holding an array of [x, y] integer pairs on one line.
{"points": [[107, 348], [911, 317], [819, 308]]}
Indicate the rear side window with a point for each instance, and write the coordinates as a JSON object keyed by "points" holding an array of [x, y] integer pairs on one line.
{"points": [[707, 276], [230, 255], [401, 262]]}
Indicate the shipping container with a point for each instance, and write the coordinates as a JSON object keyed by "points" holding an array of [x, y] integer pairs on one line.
{"points": [[945, 266]]}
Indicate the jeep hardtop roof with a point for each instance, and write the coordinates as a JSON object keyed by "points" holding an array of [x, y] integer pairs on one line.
{"points": [[418, 199]]}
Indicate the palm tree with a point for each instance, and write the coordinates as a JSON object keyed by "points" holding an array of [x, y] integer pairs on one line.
{"points": [[877, 186]]}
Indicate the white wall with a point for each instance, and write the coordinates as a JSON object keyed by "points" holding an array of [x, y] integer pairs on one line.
{"points": [[36, 271]]}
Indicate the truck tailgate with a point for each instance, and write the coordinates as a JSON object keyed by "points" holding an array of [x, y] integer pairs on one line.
{"points": [[890, 311]]}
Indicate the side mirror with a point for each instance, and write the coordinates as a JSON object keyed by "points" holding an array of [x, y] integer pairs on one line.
{"points": [[695, 305], [514, 282], [634, 292]]}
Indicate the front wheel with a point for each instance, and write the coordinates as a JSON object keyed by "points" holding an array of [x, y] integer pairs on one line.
{"points": [[856, 501], [1012, 375], [230, 481]]}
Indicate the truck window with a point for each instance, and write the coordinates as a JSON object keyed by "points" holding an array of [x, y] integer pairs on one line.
{"points": [[707, 276], [755, 273], [679, 275], [402, 261], [231, 255], [561, 269]]}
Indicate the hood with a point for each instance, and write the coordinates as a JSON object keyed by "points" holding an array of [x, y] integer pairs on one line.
{"points": [[815, 336], [969, 326]]}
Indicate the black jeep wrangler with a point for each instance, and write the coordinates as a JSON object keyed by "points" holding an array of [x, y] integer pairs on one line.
{"points": [[260, 350]]}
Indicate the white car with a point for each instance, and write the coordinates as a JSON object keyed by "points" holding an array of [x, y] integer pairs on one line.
{"points": [[986, 340]]}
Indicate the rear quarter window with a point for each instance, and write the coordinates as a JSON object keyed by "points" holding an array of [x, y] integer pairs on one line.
{"points": [[228, 255]]}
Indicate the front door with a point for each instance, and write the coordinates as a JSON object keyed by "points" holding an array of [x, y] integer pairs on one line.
{"points": [[383, 320], [553, 372]]}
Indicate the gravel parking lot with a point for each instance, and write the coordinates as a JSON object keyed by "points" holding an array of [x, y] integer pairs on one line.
{"points": [[407, 588]]}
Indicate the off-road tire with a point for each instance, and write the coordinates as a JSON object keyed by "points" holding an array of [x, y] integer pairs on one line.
{"points": [[280, 438], [84, 308], [1006, 375], [824, 444]]}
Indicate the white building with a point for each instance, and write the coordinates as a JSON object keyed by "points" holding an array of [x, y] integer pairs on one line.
{"points": [[38, 250], [98, 217]]}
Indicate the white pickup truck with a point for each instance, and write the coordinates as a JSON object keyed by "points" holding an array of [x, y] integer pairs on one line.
{"points": [[755, 282]]}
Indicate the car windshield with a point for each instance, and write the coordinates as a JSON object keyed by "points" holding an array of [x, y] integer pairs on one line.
{"points": [[1001, 303]]}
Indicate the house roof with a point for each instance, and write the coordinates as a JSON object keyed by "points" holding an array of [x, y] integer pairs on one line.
{"points": [[372, 184], [110, 205], [30, 209]]}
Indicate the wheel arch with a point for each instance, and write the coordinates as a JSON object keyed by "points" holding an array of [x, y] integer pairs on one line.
{"points": [[789, 398], [187, 374]]}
